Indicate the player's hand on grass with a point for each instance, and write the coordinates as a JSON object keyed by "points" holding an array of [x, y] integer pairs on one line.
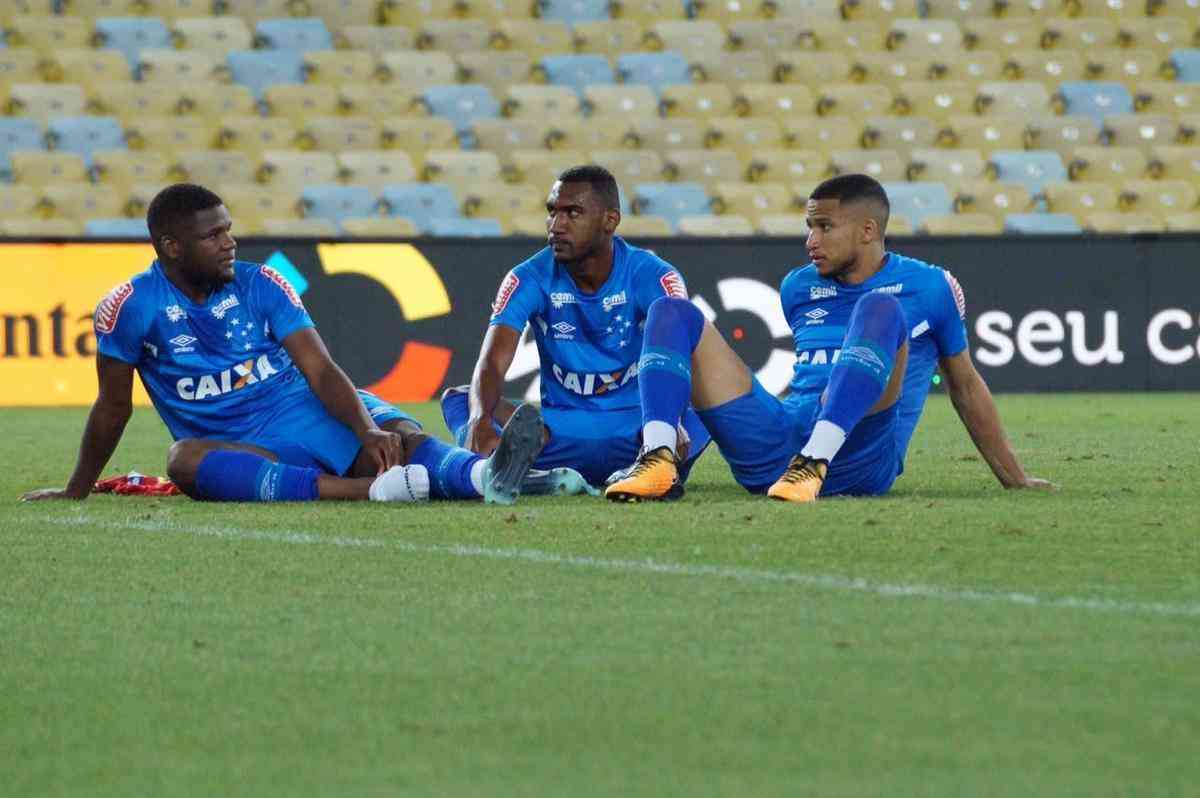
{"points": [[48, 493], [385, 448], [481, 436], [1033, 483]]}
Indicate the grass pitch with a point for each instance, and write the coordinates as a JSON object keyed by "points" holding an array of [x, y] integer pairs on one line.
{"points": [[950, 639]]}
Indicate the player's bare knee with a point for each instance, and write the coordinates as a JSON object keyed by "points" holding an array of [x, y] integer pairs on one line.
{"points": [[183, 460]]}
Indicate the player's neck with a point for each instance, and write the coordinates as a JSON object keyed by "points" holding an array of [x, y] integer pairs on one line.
{"points": [[592, 272], [869, 264], [198, 293]]}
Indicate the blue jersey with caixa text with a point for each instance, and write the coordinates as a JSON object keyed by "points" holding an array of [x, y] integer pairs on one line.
{"points": [[215, 370], [589, 344], [818, 311]]}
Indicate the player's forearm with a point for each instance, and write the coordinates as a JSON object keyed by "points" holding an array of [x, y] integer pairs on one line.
{"points": [[979, 415], [337, 393], [105, 425], [486, 389]]}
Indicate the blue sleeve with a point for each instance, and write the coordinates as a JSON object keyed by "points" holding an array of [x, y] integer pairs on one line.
{"points": [[120, 329], [656, 279], [280, 303], [517, 301], [949, 313], [787, 293]]}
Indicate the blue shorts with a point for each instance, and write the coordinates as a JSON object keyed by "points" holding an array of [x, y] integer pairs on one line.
{"points": [[305, 434], [759, 434], [594, 443]]}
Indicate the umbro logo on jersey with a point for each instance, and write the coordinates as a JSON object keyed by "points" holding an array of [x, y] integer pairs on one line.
{"points": [[613, 300], [821, 292], [816, 316], [175, 313], [183, 343], [563, 331], [224, 306], [560, 298]]}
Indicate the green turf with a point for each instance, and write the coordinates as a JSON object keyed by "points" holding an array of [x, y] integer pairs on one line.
{"points": [[164, 647]]}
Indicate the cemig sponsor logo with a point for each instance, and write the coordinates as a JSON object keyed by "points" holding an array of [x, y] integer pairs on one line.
{"points": [[821, 292], [252, 371], [224, 306], [890, 289], [175, 313], [560, 298], [109, 309], [593, 384], [672, 284], [508, 287], [613, 300]]}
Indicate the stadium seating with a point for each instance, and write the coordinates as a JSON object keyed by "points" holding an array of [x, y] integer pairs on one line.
{"points": [[336, 203], [84, 134], [1030, 168], [466, 228], [1053, 223], [258, 70], [419, 202], [297, 35], [672, 201], [577, 71], [131, 35], [915, 201], [657, 70], [574, 10], [120, 227]]}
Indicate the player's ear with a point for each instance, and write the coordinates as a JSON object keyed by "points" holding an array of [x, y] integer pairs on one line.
{"points": [[612, 218], [168, 246]]}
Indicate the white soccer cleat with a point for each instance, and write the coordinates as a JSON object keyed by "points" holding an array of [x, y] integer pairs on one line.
{"points": [[406, 483], [556, 482], [520, 442]]}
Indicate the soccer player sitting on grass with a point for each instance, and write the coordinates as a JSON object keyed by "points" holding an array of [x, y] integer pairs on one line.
{"points": [[869, 328], [258, 409], [586, 295]]}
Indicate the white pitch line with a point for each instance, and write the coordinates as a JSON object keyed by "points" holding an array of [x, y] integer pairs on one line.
{"points": [[646, 566]]}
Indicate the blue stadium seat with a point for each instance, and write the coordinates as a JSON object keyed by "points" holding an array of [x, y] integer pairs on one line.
{"points": [[577, 71], [572, 11], [915, 201], [116, 228], [1030, 168], [671, 200], [131, 35], [337, 202], [656, 70], [1061, 223], [259, 69], [1187, 64], [460, 226], [17, 133], [300, 34], [420, 202], [1095, 98], [462, 105], [84, 134]]}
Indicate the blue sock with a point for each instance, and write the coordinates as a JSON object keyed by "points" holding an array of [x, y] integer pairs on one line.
{"points": [[456, 412], [449, 469], [232, 476], [673, 329], [874, 336]]}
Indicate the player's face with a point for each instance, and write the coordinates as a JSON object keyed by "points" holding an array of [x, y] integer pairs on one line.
{"points": [[835, 235], [577, 223], [207, 248]]}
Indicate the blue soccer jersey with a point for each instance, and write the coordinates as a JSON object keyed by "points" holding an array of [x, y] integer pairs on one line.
{"points": [[216, 370], [589, 344], [818, 311]]}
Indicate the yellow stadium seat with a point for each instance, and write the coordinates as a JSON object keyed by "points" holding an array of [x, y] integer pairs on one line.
{"points": [[16, 200], [340, 14], [1160, 34], [1158, 196], [181, 66], [695, 40], [618, 99], [138, 197], [730, 11], [129, 101], [300, 228], [946, 166], [647, 12], [502, 135], [1123, 222], [729, 225], [703, 166], [1001, 36], [27, 8], [218, 35], [902, 134], [404, 12], [295, 168], [1117, 9], [380, 227], [899, 225], [1170, 8], [255, 135], [217, 103], [910, 35], [20, 65], [751, 199], [607, 36], [380, 101], [812, 69], [44, 100], [961, 10], [892, 69], [1080, 198], [34, 227], [1114, 165], [853, 100], [534, 38], [528, 226], [498, 70], [539, 167], [590, 134], [495, 11], [250, 203], [882, 10], [171, 134], [823, 134], [781, 224], [766, 35], [1167, 97], [836, 35], [80, 201], [744, 135], [1049, 67], [339, 66], [735, 68], [254, 11], [790, 165], [995, 198], [810, 9], [1138, 130], [938, 100], [418, 69], [375, 167], [883, 165], [774, 100], [377, 39], [40, 168], [1189, 127], [214, 168], [1173, 162], [973, 66], [631, 166], [1182, 222], [1014, 97], [652, 133], [1084, 33], [460, 169], [297, 102], [121, 169], [87, 66], [961, 224], [648, 226], [340, 134], [48, 34], [1130, 67], [984, 133], [504, 201], [539, 102], [1063, 134], [453, 35], [699, 100]]}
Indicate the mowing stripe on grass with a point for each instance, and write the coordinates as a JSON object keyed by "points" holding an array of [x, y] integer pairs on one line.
{"points": [[647, 566]]}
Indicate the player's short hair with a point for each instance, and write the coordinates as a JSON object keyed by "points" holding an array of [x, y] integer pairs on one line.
{"points": [[603, 184], [174, 204], [855, 188]]}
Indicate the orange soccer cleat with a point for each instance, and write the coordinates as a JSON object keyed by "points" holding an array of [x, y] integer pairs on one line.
{"points": [[802, 480], [654, 477]]}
